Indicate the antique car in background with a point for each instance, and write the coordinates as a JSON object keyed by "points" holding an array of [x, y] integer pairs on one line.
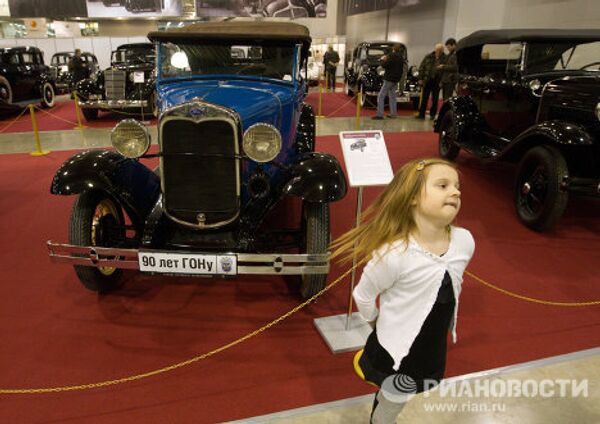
{"points": [[24, 77], [128, 85], [364, 74], [143, 5], [59, 67], [530, 97], [235, 141]]}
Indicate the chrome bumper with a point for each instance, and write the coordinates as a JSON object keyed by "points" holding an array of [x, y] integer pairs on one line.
{"points": [[247, 263], [112, 104]]}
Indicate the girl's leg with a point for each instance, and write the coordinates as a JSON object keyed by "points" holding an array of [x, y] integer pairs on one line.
{"points": [[384, 410]]}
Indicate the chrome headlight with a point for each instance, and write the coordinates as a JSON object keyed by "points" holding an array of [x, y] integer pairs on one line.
{"points": [[262, 142], [130, 138], [598, 111], [380, 71]]}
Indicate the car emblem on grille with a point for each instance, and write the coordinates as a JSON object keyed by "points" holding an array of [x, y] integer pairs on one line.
{"points": [[196, 112], [226, 264]]}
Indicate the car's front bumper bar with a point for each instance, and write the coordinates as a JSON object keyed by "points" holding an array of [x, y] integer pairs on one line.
{"points": [[112, 104], [247, 263]]}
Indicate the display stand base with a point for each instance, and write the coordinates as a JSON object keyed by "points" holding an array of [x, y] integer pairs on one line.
{"points": [[333, 330]]}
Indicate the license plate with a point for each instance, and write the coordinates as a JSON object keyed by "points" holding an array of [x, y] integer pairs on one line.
{"points": [[187, 263], [138, 76]]}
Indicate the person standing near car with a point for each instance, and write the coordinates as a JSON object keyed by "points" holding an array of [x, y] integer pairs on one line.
{"points": [[393, 64], [449, 70], [330, 62], [77, 67], [429, 79]]}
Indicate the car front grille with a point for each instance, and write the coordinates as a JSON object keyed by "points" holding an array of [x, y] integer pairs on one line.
{"points": [[200, 171], [114, 83]]}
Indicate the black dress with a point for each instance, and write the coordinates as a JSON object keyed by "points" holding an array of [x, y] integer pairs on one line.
{"points": [[426, 359]]}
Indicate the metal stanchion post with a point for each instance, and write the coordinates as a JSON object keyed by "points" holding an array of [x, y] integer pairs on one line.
{"points": [[319, 114], [359, 197], [38, 144], [79, 126], [358, 108]]}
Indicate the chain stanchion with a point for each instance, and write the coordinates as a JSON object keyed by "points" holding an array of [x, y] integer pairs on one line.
{"points": [[319, 108], [79, 126], [358, 108], [36, 134]]}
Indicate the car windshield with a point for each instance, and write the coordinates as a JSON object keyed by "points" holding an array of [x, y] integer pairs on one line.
{"points": [[134, 55], [556, 57], [60, 60], [191, 60]]}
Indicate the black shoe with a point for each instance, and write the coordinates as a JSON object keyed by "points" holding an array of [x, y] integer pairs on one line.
{"points": [[391, 116], [419, 117], [377, 118]]}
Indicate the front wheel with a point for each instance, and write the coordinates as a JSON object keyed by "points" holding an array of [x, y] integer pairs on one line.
{"points": [[47, 95], [448, 148], [540, 199], [97, 220], [366, 100], [90, 114], [5, 90], [315, 225]]}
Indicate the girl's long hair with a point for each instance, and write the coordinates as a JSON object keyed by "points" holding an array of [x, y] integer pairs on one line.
{"points": [[390, 217]]}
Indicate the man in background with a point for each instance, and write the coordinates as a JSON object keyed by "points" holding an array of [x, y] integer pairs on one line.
{"points": [[429, 80], [449, 70], [77, 67], [393, 64], [330, 62]]}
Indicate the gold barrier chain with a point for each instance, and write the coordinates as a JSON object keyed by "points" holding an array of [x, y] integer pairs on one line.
{"points": [[54, 116], [179, 364], [531, 299], [11, 123], [339, 108]]}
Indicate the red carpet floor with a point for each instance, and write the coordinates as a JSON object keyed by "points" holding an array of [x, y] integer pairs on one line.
{"points": [[56, 333]]}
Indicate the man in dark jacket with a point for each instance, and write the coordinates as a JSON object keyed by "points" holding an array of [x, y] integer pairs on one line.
{"points": [[330, 61], [449, 70], [429, 78], [393, 64], [77, 67]]}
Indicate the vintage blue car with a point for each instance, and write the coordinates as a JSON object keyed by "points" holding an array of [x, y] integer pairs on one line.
{"points": [[235, 140]]}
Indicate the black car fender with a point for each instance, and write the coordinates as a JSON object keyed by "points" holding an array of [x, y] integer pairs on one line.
{"points": [[87, 86], [370, 81], [134, 185], [350, 77], [467, 118], [317, 177], [43, 79], [551, 132]]}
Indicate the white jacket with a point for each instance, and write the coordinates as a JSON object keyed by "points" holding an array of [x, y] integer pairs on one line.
{"points": [[407, 282]]}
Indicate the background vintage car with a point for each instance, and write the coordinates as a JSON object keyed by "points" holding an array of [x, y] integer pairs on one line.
{"points": [[128, 85], [531, 97], [236, 141], [364, 72], [59, 68], [25, 77]]}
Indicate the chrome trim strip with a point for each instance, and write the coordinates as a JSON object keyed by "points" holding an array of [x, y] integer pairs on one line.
{"points": [[112, 104], [248, 263]]}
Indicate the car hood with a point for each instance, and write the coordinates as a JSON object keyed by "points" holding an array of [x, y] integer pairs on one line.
{"points": [[252, 101]]}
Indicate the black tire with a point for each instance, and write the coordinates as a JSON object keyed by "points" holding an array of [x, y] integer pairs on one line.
{"points": [[539, 198], [48, 95], [447, 146], [90, 114], [97, 220], [367, 101], [315, 224], [6, 93]]}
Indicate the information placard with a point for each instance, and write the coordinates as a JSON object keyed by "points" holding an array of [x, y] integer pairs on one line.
{"points": [[366, 157]]}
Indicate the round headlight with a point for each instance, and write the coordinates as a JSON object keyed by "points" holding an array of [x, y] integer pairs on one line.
{"points": [[262, 142], [598, 111], [535, 84], [130, 138]]}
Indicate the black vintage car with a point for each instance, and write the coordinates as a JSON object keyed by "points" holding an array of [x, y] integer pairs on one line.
{"points": [[364, 74], [143, 5], [24, 77], [59, 67], [236, 144], [128, 85], [530, 97]]}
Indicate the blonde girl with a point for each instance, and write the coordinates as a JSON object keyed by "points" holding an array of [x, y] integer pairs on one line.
{"points": [[415, 263]]}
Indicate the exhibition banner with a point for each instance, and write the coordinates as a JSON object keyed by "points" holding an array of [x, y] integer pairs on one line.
{"points": [[134, 8], [47, 8], [292, 9]]}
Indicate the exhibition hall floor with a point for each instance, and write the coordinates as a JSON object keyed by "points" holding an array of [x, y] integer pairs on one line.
{"points": [[55, 333]]}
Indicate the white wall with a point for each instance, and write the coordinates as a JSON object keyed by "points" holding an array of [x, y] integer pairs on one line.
{"points": [[473, 15]]}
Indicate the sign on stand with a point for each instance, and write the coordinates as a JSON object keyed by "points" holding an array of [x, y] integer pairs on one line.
{"points": [[367, 164]]}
